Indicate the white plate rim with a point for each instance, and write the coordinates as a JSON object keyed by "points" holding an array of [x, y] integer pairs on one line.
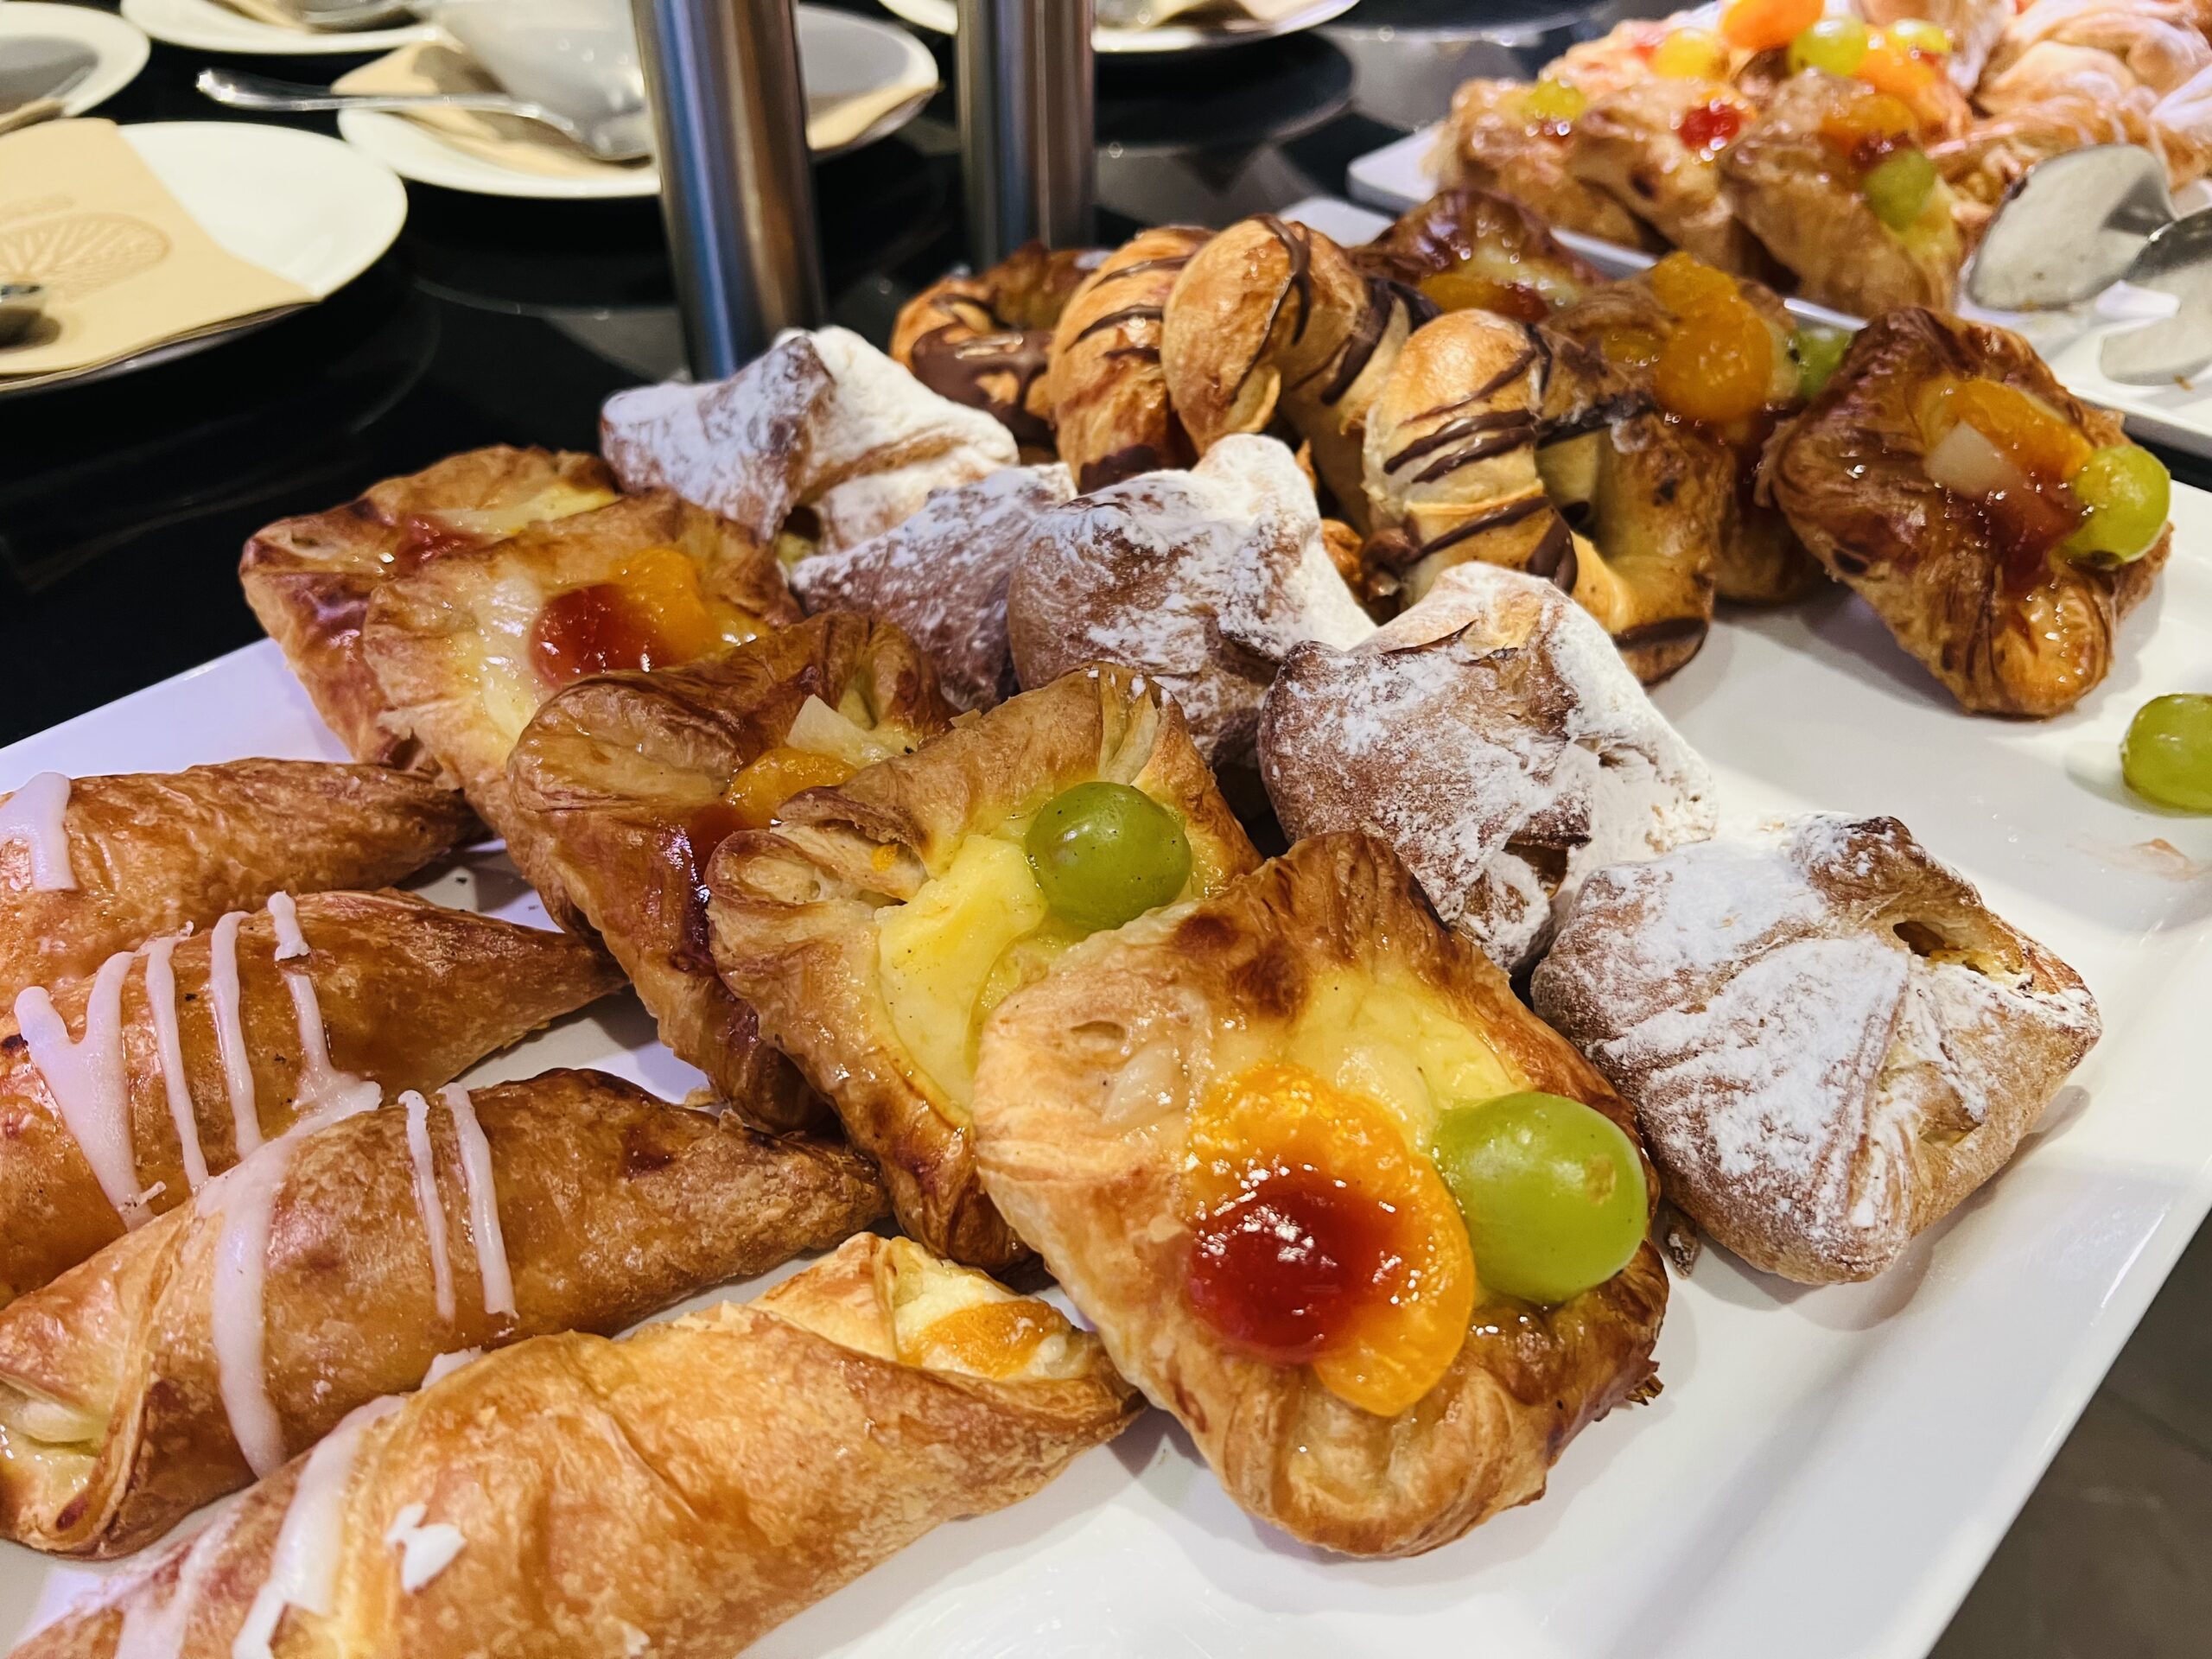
{"points": [[942, 17], [207, 26], [120, 46]]}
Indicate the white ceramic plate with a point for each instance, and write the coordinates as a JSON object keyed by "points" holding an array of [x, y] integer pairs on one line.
{"points": [[1828, 1470], [838, 52], [299, 204], [121, 50], [1396, 177], [943, 16], [210, 26]]}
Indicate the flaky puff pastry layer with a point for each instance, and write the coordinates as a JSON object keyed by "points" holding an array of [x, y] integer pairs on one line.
{"points": [[1082, 1090], [678, 1492], [612, 1204], [792, 911], [620, 783], [409, 995], [1108, 394], [152, 852]]}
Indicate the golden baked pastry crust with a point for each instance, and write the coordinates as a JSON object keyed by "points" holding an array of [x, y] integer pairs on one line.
{"points": [[154, 852], [1489, 144], [982, 340], [1628, 143], [1851, 475], [1488, 235], [617, 781], [310, 579], [792, 911], [1109, 393], [1084, 1164]]}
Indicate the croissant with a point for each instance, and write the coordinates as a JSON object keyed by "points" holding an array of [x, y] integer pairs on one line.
{"points": [[1467, 249], [1492, 141], [625, 784], [1103, 378], [678, 1492], [93, 866], [309, 579], [1973, 26], [1652, 146], [140, 1384], [982, 340], [878, 921], [121, 1095]]}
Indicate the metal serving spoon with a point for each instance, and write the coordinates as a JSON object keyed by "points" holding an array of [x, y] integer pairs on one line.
{"points": [[36, 73], [338, 15], [626, 136]]}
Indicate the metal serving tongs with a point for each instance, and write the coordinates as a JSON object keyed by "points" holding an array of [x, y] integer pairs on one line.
{"points": [[2081, 221]]}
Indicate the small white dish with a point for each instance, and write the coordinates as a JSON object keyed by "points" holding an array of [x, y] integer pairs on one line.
{"points": [[120, 49], [209, 26], [943, 16]]}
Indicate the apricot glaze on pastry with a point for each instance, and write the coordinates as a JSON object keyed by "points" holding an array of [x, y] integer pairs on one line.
{"points": [[1332, 1196], [92, 866], [1202, 580], [1505, 442], [120, 1096], [467, 648], [1516, 139], [1724, 361], [878, 922], [1494, 738], [144, 1383], [981, 341], [1474, 250], [942, 576], [625, 784], [1109, 393], [1273, 321], [509, 1505], [310, 579], [1829, 1041], [820, 442], [1999, 526]]}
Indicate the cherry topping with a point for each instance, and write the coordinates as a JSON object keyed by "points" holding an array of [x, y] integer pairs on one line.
{"points": [[1280, 1270]]}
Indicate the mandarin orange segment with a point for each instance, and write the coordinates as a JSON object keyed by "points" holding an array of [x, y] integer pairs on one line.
{"points": [[2035, 437], [986, 1339], [1868, 127], [665, 585], [1764, 25], [1684, 285], [1715, 367], [773, 777]]}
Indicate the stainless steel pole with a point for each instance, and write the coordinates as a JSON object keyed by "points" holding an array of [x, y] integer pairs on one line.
{"points": [[737, 184], [1026, 124]]}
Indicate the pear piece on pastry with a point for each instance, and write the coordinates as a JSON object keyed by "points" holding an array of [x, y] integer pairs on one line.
{"points": [[136, 1386], [942, 575], [468, 647], [1202, 580], [678, 1492], [625, 784], [1493, 737], [309, 579], [92, 866], [1829, 1041], [1312, 1016], [1111, 415], [820, 442], [122, 1094], [878, 922], [982, 340]]}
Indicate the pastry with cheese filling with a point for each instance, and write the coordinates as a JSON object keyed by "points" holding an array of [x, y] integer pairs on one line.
{"points": [[878, 922]]}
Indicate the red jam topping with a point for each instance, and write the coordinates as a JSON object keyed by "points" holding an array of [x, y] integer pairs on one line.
{"points": [[1710, 127], [592, 631]]}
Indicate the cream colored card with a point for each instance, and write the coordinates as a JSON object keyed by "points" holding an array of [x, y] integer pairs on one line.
{"points": [[124, 267], [268, 12], [1151, 14]]}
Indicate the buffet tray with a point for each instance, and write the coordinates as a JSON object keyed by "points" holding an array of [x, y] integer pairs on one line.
{"points": [[1396, 177]]}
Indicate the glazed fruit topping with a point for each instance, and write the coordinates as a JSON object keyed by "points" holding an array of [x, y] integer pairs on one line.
{"points": [[2126, 493], [1867, 129], [762, 787], [994, 1339], [1834, 45], [1715, 366], [1897, 188], [1818, 353], [1764, 25], [1462, 289], [1320, 1237], [2011, 453], [1691, 54], [1553, 106], [2166, 756], [650, 614], [1711, 126], [1105, 853]]}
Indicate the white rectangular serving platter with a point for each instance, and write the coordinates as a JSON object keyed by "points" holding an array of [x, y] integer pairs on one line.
{"points": [[1827, 1470], [1396, 177]]}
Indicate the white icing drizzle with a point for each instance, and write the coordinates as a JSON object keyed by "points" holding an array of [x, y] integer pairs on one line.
{"points": [[322, 1084], [86, 1080], [157, 1631], [428, 1205], [230, 1032], [304, 1567], [285, 916], [483, 1202], [160, 997], [446, 1364], [32, 815], [424, 1552]]}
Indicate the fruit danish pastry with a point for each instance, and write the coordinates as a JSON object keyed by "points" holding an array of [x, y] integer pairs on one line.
{"points": [[625, 784], [1470, 250], [1999, 526], [678, 1492], [880, 921], [1504, 442], [156, 1377], [1654, 148], [310, 579], [943, 576], [1517, 139], [1273, 321], [1493, 737], [820, 442], [92, 866], [1332, 1196], [468, 647], [1828, 1040], [1203, 580], [120, 1096], [1109, 392], [982, 340]]}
